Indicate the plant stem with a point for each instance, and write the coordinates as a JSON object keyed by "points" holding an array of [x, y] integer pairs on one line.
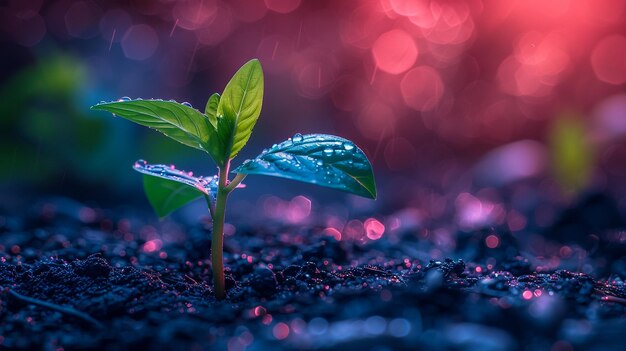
{"points": [[217, 244], [236, 181], [211, 204]]}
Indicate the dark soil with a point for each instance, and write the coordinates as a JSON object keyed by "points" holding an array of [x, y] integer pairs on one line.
{"points": [[140, 284]]}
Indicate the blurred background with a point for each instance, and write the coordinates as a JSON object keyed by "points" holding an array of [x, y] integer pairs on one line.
{"points": [[446, 95]]}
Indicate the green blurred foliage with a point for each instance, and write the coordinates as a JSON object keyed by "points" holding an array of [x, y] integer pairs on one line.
{"points": [[571, 152], [43, 131], [49, 137]]}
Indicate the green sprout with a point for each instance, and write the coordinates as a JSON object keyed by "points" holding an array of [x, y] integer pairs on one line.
{"points": [[222, 131]]}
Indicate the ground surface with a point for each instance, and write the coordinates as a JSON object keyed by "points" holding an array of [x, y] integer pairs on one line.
{"points": [[143, 284]]}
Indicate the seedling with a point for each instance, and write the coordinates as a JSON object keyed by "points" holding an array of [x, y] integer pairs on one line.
{"points": [[222, 131]]}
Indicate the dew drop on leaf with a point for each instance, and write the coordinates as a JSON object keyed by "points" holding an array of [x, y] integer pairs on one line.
{"points": [[282, 164], [124, 98], [325, 160], [187, 104]]}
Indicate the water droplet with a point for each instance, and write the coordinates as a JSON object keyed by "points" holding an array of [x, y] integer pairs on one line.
{"points": [[348, 146], [102, 102], [319, 162], [328, 152], [283, 164], [297, 138], [140, 163], [124, 98], [187, 104], [274, 146], [284, 155]]}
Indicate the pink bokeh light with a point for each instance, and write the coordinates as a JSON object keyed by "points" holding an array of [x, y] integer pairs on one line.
{"points": [[374, 229], [394, 51], [474, 74], [608, 60], [282, 6]]}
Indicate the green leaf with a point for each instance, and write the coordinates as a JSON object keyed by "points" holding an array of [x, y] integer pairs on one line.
{"points": [[211, 109], [168, 189], [321, 159], [239, 107], [178, 121], [216, 145]]}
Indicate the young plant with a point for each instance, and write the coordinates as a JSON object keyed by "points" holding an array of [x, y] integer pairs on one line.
{"points": [[222, 131]]}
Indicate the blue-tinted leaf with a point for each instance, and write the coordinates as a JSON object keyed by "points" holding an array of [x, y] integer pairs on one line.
{"points": [[239, 107], [168, 189], [321, 159]]}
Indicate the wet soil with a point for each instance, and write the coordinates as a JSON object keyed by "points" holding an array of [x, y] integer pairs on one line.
{"points": [[77, 277]]}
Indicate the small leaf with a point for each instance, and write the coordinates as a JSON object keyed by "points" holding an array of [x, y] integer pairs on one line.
{"points": [[239, 107], [211, 109], [178, 121], [321, 159], [216, 145], [166, 196], [168, 189]]}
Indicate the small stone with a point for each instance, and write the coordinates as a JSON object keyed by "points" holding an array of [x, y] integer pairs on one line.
{"points": [[263, 282]]}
